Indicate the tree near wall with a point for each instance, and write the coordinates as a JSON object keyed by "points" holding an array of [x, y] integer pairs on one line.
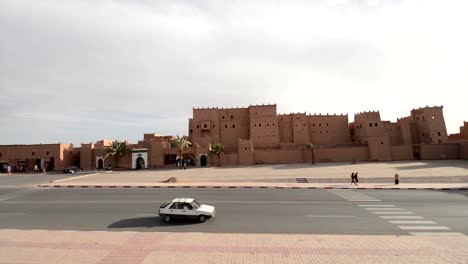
{"points": [[116, 150], [181, 143], [218, 150], [310, 147]]}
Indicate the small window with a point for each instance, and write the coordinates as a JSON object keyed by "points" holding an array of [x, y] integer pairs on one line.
{"points": [[47, 153], [245, 148], [198, 126], [225, 126], [268, 124], [370, 124], [213, 126], [433, 117], [423, 134], [224, 117], [273, 124], [327, 124], [417, 118], [255, 125], [191, 130], [313, 124], [376, 124], [33, 153], [381, 143], [233, 126], [0, 154], [259, 125], [232, 117], [320, 124], [438, 133], [327, 131], [320, 132], [205, 125]]}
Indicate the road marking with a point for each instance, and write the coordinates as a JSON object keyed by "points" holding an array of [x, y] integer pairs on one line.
{"points": [[401, 217], [367, 200], [330, 216], [385, 209], [423, 227], [162, 201], [11, 214], [412, 222], [8, 197], [436, 234], [392, 212], [376, 205]]}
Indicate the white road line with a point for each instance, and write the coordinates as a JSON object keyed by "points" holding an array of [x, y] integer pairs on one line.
{"points": [[392, 213], [412, 222], [384, 209], [370, 200], [330, 216], [436, 234], [376, 205], [423, 227], [11, 214], [401, 217]]}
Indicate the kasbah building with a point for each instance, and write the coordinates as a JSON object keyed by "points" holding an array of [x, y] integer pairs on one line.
{"points": [[259, 135]]}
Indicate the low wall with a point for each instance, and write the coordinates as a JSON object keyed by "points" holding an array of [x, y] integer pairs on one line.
{"points": [[278, 156], [404, 152], [342, 154], [463, 150], [440, 151]]}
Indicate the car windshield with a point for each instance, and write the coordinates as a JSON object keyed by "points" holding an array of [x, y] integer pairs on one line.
{"points": [[195, 204], [164, 205]]}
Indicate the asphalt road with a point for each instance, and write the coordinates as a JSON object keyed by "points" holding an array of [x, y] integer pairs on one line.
{"points": [[371, 212], [32, 179]]}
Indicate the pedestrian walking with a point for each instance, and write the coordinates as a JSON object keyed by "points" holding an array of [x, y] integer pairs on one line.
{"points": [[397, 179], [356, 178], [353, 179]]}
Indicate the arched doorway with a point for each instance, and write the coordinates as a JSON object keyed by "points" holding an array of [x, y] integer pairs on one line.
{"points": [[140, 163], [203, 160], [100, 164]]}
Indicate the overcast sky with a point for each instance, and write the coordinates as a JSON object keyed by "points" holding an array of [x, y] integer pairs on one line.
{"points": [[83, 70]]}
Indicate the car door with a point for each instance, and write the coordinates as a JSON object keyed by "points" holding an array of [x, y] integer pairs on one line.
{"points": [[175, 210], [188, 211]]}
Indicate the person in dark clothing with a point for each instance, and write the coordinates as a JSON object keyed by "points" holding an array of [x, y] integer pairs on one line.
{"points": [[353, 179], [356, 178], [397, 179]]}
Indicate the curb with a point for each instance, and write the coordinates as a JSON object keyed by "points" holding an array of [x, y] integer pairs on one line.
{"points": [[75, 177], [241, 187]]}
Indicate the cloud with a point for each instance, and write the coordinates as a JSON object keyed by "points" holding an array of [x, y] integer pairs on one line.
{"points": [[84, 70]]}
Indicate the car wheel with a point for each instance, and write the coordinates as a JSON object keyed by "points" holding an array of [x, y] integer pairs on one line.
{"points": [[202, 218], [167, 218]]}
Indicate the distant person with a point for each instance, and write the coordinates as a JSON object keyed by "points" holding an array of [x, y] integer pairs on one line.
{"points": [[8, 169], [36, 169], [356, 178], [353, 179], [397, 179]]}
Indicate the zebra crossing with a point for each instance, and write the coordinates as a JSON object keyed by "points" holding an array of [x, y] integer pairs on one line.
{"points": [[353, 196], [16, 194], [404, 219]]}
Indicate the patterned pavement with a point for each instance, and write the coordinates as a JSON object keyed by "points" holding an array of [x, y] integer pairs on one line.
{"points": [[42, 246]]}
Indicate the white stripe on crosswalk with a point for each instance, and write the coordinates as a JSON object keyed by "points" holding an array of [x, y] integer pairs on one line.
{"points": [[392, 213], [411, 222], [401, 217], [423, 227], [384, 209], [376, 205], [436, 234]]}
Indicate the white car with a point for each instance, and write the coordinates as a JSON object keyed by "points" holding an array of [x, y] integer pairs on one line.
{"points": [[186, 208]]}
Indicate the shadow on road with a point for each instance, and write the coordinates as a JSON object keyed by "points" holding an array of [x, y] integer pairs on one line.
{"points": [[149, 222]]}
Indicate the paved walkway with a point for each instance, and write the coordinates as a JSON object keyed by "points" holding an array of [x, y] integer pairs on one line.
{"points": [[376, 175], [62, 247]]}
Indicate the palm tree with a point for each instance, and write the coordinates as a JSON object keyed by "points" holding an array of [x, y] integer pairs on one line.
{"points": [[116, 150], [218, 150], [181, 143], [310, 147]]}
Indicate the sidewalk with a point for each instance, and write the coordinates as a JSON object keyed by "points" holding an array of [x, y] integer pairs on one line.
{"points": [[451, 174], [36, 246]]}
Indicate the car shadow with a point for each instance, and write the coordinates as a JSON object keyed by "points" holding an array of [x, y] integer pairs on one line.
{"points": [[149, 222]]}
